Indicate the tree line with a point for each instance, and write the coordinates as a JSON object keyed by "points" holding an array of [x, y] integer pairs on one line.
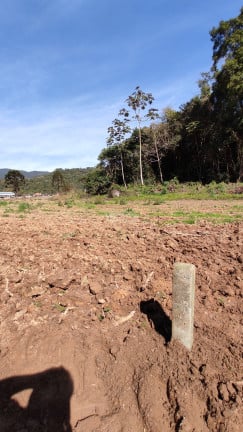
{"points": [[201, 141], [60, 180]]}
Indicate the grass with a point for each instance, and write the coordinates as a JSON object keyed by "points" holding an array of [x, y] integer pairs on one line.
{"points": [[59, 307], [103, 213], [37, 303], [191, 217], [221, 301], [3, 203], [164, 212], [147, 202], [24, 207], [173, 190], [72, 234], [131, 212]]}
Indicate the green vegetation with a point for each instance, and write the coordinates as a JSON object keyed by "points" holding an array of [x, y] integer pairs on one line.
{"points": [[59, 307], [58, 181], [3, 203], [117, 133], [64, 180], [145, 202], [221, 301], [97, 182], [130, 212], [201, 142], [14, 179], [24, 207], [192, 217]]}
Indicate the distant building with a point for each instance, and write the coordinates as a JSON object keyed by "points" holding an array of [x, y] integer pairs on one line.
{"points": [[7, 194]]}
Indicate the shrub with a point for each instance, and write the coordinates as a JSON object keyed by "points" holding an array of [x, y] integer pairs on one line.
{"points": [[97, 182]]}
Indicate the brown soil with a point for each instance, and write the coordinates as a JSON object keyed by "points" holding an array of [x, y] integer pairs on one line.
{"points": [[85, 325]]}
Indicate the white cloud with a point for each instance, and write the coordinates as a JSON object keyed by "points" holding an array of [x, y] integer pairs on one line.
{"points": [[72, 134], [65, 137]]}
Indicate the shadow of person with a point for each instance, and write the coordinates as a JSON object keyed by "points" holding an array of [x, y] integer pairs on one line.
{"points": [[48, 409], [160, 320]]}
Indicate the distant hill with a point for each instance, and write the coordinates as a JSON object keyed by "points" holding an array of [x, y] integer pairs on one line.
{"points": [[27, 174], [41, 181]]}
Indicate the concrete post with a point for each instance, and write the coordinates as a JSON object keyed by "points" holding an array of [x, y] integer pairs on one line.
{"points": [[183, 293]]}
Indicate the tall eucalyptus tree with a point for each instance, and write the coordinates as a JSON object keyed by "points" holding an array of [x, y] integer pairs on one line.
{"points": [[138, 102], [117, 133]]}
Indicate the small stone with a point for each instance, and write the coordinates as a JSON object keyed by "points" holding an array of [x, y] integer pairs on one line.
{"points": [[61, 281], [101, 301], [19, 314]]}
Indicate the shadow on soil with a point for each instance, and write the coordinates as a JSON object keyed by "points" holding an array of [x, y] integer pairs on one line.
{"points": [[48, 408], [156, 315]]}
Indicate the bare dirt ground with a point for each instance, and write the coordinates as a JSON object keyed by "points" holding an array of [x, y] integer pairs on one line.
{"points": [[85, 323]]}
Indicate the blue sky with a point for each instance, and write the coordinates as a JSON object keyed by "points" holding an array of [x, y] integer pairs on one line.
{"points": [[66, 67]]}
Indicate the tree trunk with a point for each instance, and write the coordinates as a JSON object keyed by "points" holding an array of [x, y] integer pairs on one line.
{"points": [[239, 156], [122, 169], [157, 155], [140, 154]]}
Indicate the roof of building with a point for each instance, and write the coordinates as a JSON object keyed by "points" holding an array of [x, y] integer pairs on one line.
{"points": [[7, 194]]}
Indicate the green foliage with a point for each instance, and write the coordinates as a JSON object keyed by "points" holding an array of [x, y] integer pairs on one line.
{"points": [[15, 179], [59, 307], [73, 178], [227, 92], [3, 203], [97, 182], [138, 102], [130, 212], [216, 188], [69, 202], [99, 200], [117, 133], [24, 207], [58, 181]]}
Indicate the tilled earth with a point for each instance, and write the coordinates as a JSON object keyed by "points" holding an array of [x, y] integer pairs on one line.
{"points": [[85, 325]]}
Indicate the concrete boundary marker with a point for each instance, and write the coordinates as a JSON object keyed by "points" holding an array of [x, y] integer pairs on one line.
{"points": [[183, 294]]}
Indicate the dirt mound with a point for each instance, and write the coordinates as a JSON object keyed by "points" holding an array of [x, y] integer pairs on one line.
{"points": [[85, 326]]}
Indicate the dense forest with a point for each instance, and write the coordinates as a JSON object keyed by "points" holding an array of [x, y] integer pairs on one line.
{"points": [[201, 141]]}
